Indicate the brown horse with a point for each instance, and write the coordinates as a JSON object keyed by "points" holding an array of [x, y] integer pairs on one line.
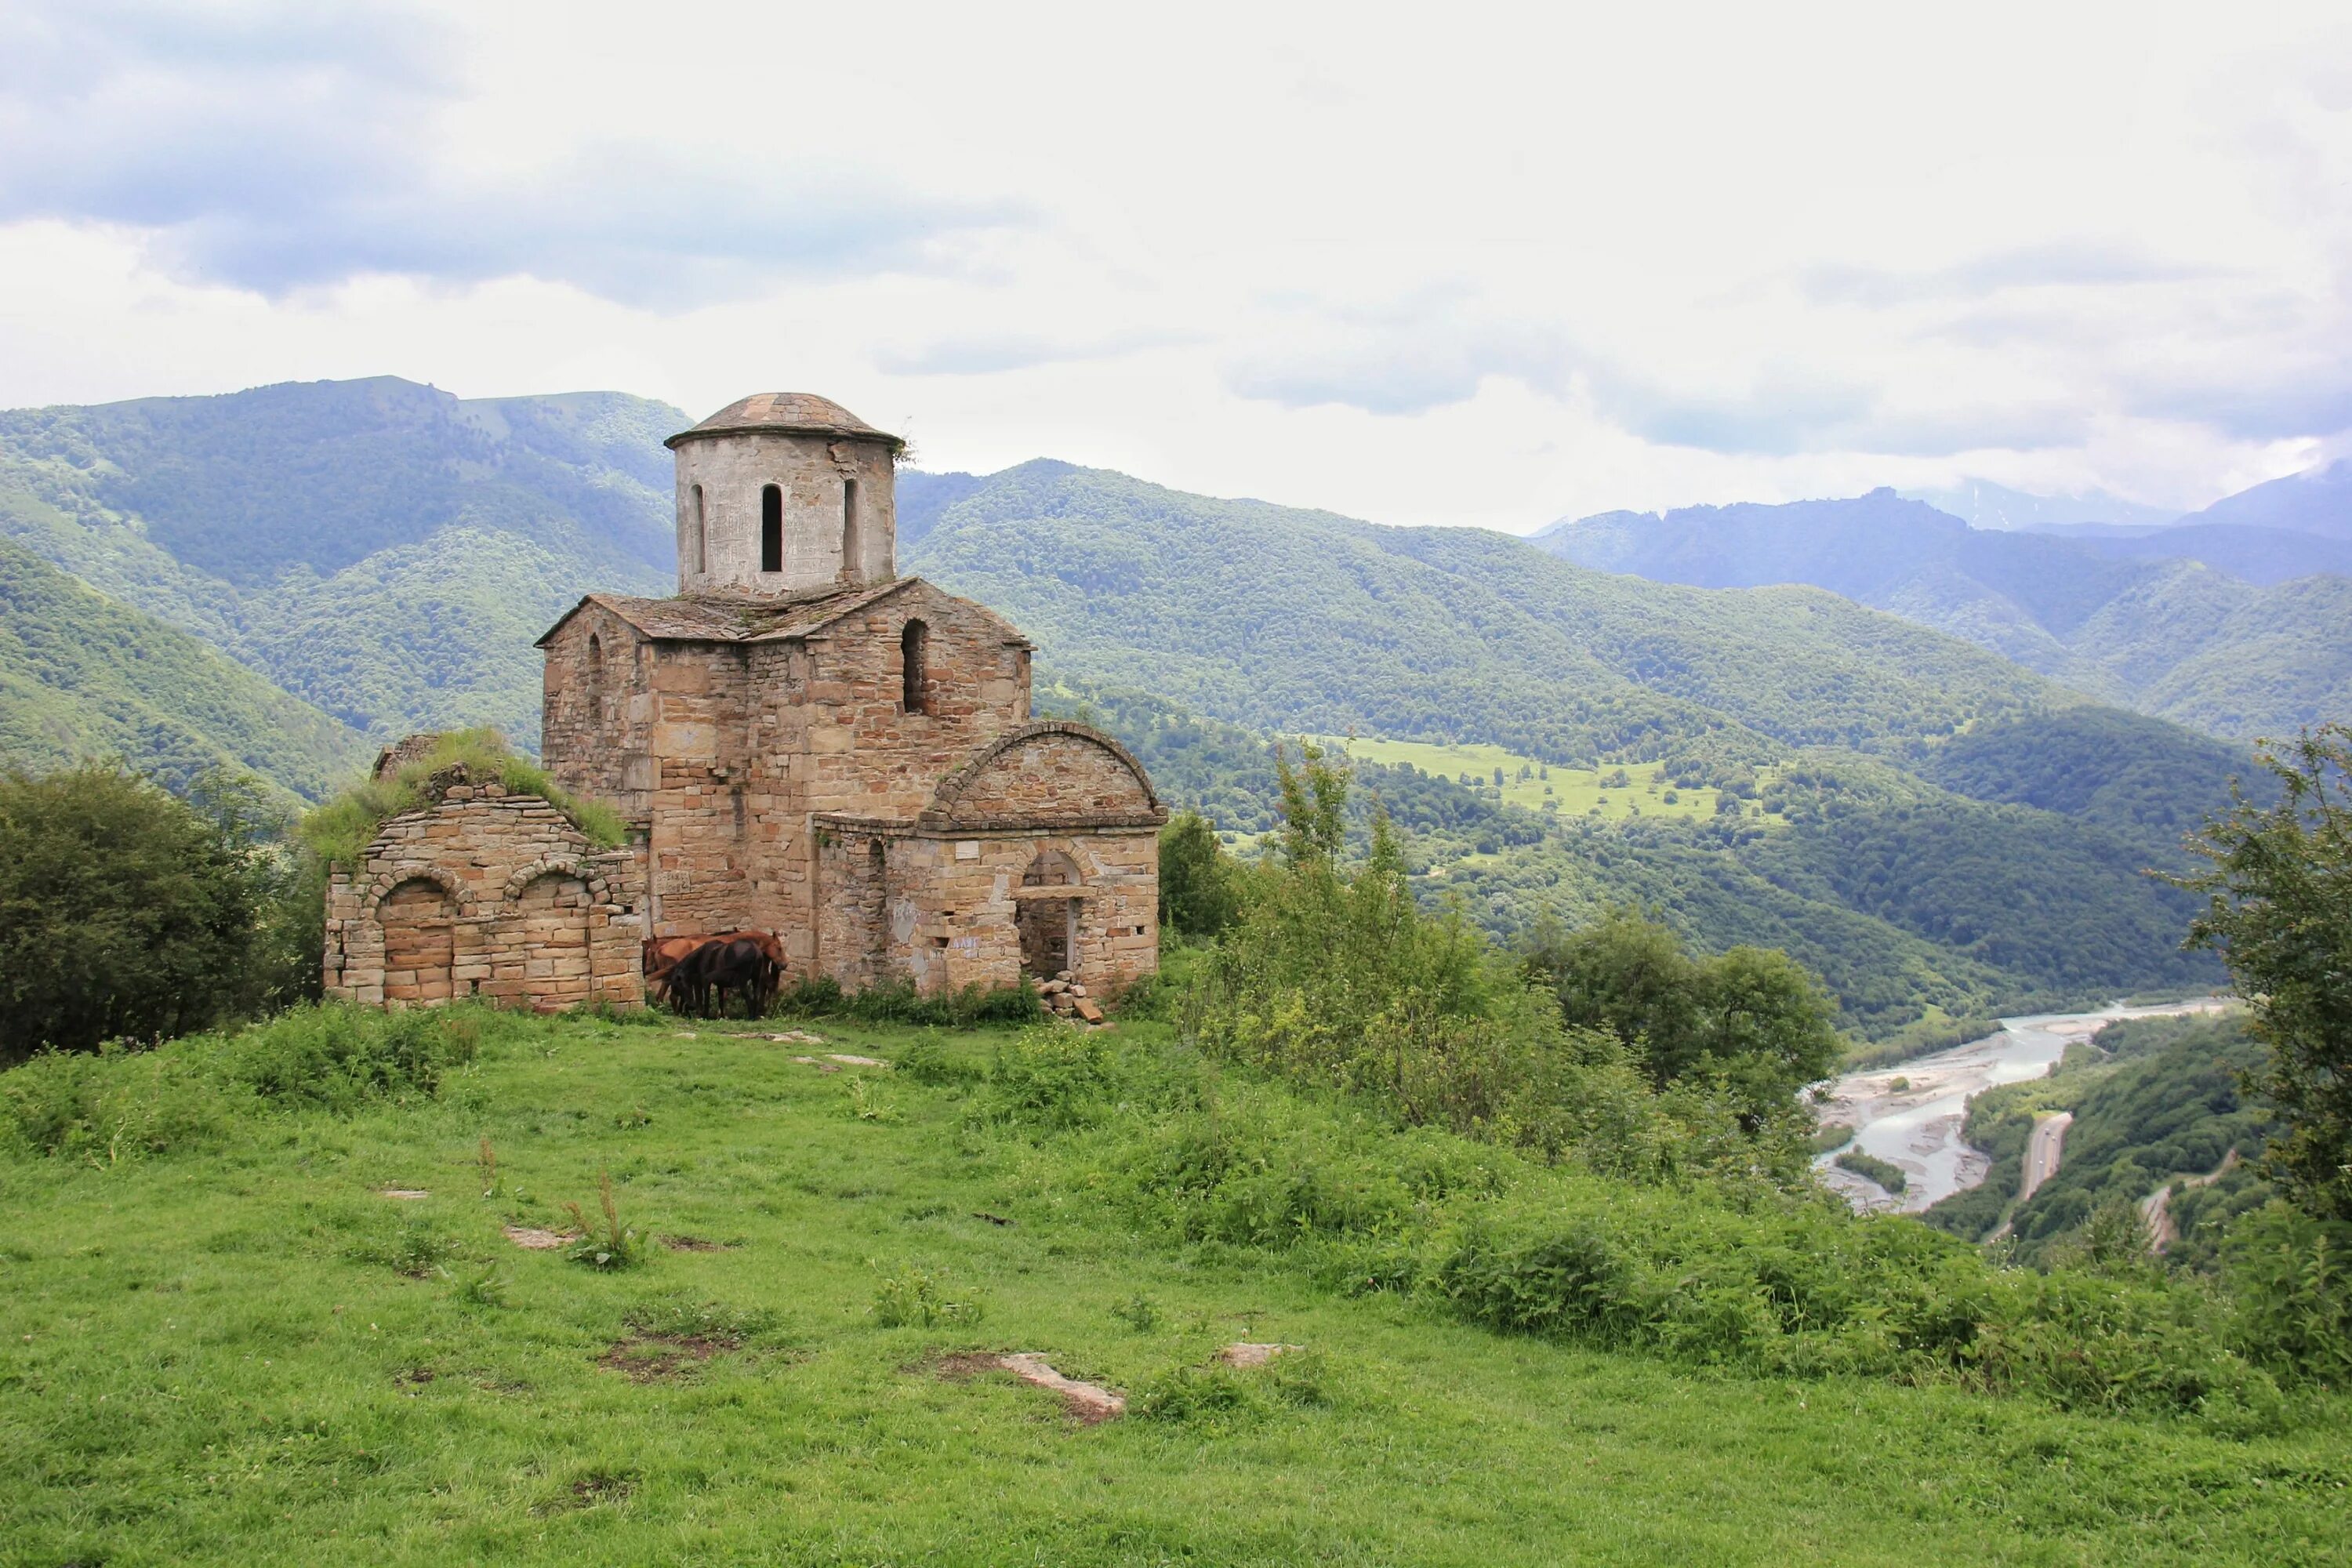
{"points": [[722, 967], [663, 956]]}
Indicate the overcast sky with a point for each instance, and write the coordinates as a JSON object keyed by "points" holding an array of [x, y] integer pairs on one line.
{"points": [[1425, 264]]}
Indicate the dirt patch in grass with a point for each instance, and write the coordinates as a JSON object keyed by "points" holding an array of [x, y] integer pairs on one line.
{"points": [[404, 1195], [591, 1490], [1090, 1404], [663, 1358], [1248, 1354], [413, 1377], [695, 1244]]}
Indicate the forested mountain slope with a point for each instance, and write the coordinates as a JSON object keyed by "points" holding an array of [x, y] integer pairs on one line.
{"points": [[1903, 895], [382, 549], [2171, 636], [81, 677], [1304, 621]]}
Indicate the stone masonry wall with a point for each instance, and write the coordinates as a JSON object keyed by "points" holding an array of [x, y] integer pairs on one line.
{"points": [[950, 904], [486, 894], [723, 750]]}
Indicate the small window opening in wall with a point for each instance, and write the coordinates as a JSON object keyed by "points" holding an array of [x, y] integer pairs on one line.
{"points": [[852, 544], [910, 665], [771, 528], [595, 677], [698, 547]]}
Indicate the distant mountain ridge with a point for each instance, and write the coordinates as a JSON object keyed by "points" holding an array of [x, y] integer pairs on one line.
{"points": [[1305, 621], [2168, 635], [1983, 504], [383, 550]]}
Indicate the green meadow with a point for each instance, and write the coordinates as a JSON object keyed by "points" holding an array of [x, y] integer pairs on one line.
{"points": [[1618, 793], [222, 1341]]}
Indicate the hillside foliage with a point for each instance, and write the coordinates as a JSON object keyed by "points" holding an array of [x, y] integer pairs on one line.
{"points": [[129, 913], [381, 550], [83, 677]]}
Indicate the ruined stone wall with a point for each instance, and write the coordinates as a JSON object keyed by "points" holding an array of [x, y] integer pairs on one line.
{"points": [[950, 904], [490, 894], [723, 555]]}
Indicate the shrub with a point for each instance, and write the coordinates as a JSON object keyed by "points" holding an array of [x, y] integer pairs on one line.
{"points": [[122, 1103], [1871, 1168], [897, 1002], [2292, 1275], [607, 1246], [1214, 1398], [126, 913], [1050, 1077], [1199, 883], [907, 1296]]}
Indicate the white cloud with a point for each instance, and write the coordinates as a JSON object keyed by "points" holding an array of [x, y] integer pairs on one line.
{"points": [[1526, 262]]}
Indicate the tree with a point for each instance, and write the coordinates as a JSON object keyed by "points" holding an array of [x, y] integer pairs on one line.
{"points": [[124, 911], [1198, 894], [2279, 911], [1314, 805], [1752, 1015]]}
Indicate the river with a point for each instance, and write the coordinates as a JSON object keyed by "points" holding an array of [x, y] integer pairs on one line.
{"points": [[1918, 1126]]}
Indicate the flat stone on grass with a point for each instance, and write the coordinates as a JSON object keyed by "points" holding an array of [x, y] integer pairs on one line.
{"points": [[1089, 1403], [536, 1240]]}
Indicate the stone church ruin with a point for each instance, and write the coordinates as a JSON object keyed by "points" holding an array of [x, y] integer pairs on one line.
{"points": [[802, 741]]}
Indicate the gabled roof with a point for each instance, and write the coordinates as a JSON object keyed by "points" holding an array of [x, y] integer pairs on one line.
{"points": [[789, 412], [700, 618]]}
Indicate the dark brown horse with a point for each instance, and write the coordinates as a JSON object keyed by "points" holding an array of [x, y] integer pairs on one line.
{"points": [[704, 979]]}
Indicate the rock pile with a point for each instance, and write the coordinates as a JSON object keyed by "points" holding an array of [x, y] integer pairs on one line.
{"points": [[1065, 997]]}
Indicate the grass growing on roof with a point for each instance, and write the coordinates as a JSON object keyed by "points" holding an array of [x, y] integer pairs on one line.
{"points": [[342, 829]]}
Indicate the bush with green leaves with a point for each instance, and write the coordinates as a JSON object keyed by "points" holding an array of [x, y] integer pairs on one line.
{"points": [[1051, 1076], [121, 1104], [1334, 978], [126, 913], [908, 1296], [1199, 883], [1752, 1015]]}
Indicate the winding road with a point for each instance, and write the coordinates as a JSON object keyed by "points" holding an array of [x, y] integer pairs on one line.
{"points": [[2043, 1150]]}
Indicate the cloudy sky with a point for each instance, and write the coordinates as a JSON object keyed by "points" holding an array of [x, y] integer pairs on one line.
{"points": [[1426, 264]]}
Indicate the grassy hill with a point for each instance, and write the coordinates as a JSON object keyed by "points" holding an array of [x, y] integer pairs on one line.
{"points": [[382, 550], [81, 677], [2172, 636], [301, 1333]]}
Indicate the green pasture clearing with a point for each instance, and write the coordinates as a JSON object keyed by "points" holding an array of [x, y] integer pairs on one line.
{"points": [[253, 1354], [1578, 790]]}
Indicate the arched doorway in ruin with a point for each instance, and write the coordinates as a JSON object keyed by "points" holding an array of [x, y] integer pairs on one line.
{"points": [[550, 916], [1049, 920], [420, 941]]}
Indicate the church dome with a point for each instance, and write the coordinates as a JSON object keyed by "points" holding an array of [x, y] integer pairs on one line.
{"points": [[784, 413]]}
